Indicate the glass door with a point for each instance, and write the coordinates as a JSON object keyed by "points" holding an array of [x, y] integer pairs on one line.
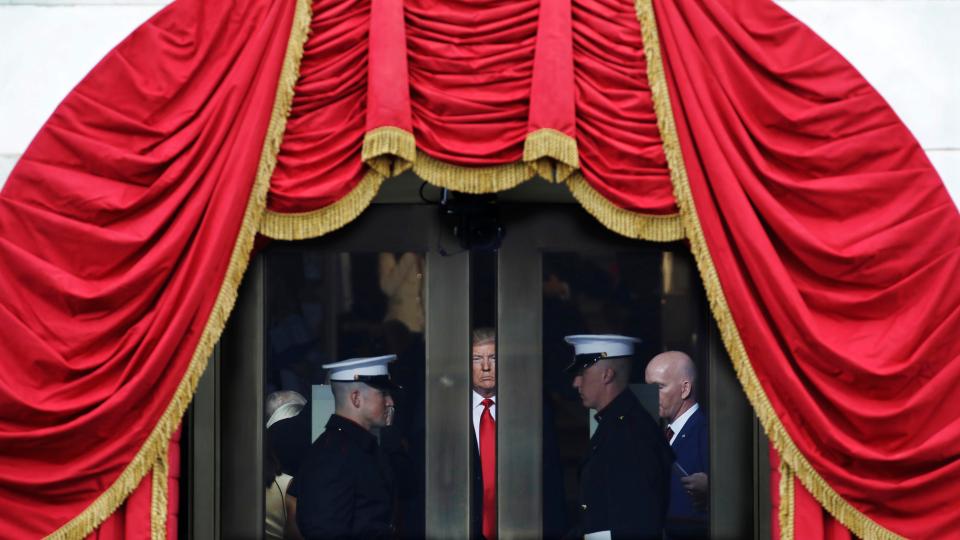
{"points": [[392, 282], [475, 308], [561, 273]]}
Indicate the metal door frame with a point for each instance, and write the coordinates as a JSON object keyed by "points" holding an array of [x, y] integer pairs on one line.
{"points": [[739, 458], [228, 405]]}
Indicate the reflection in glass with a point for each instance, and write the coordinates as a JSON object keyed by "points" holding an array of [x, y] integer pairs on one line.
{"points": [[321, 307]]}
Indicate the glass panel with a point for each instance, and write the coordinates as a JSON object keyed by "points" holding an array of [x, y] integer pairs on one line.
{"points": [[323, 307], [647, 293]]}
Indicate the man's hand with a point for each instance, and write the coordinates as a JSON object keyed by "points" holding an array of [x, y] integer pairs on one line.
{"points": [[697, 487]]}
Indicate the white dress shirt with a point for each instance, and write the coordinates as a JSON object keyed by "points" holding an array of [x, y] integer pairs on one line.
{"points": [[678, 424], [478, 410]]}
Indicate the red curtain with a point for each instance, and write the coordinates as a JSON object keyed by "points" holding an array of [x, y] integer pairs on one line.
{"points": [[837, 251], [795, 512], [119, 224], [475, 99], [136, 518], [319, 160], [620, 147]]}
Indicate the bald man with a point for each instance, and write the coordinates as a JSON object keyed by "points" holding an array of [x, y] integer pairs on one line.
{"points": [[685, 428]]}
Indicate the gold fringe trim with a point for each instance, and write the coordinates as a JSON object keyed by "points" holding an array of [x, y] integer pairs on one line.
{"points": [[550, 152], [158, 501], [301, 226], [654, 228], [843, 511], [787, 504], [389, 150], [157, 443], [471, 179]]}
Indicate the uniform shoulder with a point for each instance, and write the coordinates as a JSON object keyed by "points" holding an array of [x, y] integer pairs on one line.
{"points": [[330, 456], [332, 446]]}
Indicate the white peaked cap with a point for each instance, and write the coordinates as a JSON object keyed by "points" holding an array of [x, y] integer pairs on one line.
{"points": [[611, 345], [355, 368]]}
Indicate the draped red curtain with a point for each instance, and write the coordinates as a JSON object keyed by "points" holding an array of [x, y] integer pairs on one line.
{"points": [[830, 250], [137, 517], [475, 99], [119, 224], [827, 244]]}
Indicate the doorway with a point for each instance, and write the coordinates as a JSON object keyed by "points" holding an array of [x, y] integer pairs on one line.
{"points": [[399, 280]]}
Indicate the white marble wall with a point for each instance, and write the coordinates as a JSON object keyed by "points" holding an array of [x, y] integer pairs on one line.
{"points": [[46, 47], [908, 49]]}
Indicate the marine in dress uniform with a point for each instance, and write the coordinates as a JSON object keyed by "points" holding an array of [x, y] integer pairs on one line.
{"points": [[624, 479], [345, 488]]}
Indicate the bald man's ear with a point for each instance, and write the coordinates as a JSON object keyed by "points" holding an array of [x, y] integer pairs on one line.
{"points": [[685, 388]]}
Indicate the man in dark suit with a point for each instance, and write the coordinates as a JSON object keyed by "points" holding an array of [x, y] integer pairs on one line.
{"points": [[345, 487], [686, 429], [624, 480], [483, 515], [483, 370]]}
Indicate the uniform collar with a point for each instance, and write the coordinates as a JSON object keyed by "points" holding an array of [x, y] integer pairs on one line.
{"points": [[620, 405], [352, 431]]}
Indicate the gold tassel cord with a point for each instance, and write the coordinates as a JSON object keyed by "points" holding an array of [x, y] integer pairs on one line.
{"points": [[653, 228], [301, 226], [389, 150], [158, 441], [158, 500], [786, 511], [839, 508]]}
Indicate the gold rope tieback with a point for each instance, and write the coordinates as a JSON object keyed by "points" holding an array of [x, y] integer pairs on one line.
{"points": [[787, 502]]}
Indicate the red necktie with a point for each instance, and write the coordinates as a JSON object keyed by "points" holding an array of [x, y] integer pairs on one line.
{"points": [[668, 433], [488, 466]]}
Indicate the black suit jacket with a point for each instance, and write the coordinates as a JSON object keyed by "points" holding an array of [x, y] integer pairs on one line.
{"points": [[624, 480], [476, 489]]}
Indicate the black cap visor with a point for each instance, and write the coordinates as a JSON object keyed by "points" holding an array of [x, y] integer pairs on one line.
{"points": [[583, 361]]}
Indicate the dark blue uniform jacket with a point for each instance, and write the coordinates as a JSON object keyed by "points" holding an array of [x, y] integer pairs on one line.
{"points": [[345, 486], [624, 480]]}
